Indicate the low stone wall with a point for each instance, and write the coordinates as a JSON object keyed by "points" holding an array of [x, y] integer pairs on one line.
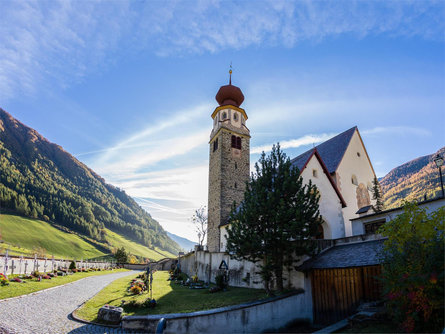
{"points": [[240, 273], [133, 266], [253, 317], [25, 265]]}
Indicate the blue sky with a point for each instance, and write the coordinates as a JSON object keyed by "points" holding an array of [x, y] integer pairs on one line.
{"points": [[128, 87]]}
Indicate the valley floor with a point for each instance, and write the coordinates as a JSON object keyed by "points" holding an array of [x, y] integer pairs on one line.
{"points": [[48, 311]]}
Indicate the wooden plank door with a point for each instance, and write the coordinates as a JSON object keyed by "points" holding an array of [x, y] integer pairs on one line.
{"points": [[336, 293]]}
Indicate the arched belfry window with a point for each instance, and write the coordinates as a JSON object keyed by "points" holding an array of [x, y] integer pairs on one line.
{"points": [[224, 115], [236, 142]]}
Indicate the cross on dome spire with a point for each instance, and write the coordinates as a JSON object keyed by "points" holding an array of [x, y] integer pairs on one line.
{"points": [[230, 74]]}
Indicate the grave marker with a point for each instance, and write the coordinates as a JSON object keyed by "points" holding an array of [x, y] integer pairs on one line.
{"points": [[20, 264], [12, 267], [5, 267]]}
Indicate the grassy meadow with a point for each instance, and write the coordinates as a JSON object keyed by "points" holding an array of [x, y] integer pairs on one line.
{"points": [[25, 236]]}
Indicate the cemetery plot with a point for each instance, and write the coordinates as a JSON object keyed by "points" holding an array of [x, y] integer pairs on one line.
{"points": [[170, 297]]}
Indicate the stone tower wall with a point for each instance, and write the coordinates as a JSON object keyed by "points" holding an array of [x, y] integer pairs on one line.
{"points": [[229, 170]]}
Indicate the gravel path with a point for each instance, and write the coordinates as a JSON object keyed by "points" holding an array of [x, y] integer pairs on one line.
{"points": [[48, 311]]}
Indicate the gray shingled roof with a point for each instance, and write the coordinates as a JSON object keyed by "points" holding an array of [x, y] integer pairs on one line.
{"points": [[301, 160], [343, 256], [331, 151]]}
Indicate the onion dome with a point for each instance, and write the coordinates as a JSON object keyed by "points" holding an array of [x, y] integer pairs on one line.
{"points": [[230, 94]]}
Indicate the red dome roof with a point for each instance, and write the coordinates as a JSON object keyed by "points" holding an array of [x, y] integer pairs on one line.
{"points": [[229, 94]]}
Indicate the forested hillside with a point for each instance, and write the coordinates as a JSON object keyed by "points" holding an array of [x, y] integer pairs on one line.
{"points": [[39, 179], [412, 181]]}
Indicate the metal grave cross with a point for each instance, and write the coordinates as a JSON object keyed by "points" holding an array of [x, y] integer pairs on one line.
{"points": [[5, 267], [53, 262], [45, 265], [12, 267], [26, 266], [20, 264]]}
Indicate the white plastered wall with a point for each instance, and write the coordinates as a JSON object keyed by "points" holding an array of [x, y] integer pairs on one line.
{"points": [[330, 204], [361, 167]]}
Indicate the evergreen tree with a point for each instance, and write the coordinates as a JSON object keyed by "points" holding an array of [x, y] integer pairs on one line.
{"points": [[377, 194], [121, 255], [277, 217]]}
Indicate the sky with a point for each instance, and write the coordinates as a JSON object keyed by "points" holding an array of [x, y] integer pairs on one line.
{"points": [[128, 87]]}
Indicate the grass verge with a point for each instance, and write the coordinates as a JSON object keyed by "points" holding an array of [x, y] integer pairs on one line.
{"points": [[18, 289], [171, 298]]}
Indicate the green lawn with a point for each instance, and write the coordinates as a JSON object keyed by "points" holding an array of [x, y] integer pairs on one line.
{"points": [[171, 298], [18, 289], [22, 235]]}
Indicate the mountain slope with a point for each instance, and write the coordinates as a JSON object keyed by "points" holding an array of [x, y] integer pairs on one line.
{"points": [[185, 244], [39, 179], [412, 181]]}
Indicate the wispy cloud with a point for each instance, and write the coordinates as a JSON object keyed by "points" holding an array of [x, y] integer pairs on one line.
{"points": [[295, 143], [47, 43], [397, 130]]}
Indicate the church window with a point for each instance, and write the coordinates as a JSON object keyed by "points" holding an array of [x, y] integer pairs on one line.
{"points": [[235, 116], [236, 165], [224, 115], [314, 173], [215, 145], [358, 154], [236, 186], [236, 142], [354, 180]]}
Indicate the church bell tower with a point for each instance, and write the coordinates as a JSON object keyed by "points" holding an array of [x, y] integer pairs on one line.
{"points": [[229, 160]]}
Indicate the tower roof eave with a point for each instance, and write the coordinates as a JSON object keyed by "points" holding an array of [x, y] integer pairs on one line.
{"points": [[231, 106]]}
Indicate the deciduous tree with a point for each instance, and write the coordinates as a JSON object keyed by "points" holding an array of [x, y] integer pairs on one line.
{"points": [[413, 269]]}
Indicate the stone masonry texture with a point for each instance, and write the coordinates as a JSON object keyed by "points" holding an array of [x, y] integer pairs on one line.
{"points": [[229, 170]]}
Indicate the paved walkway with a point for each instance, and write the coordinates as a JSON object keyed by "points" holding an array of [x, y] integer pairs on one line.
{"points": [[48, 311]]}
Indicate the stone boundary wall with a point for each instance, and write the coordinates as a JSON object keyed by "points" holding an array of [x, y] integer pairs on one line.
{"points": [[134, 266], [255, 317], [25, 265], [240, 273]]}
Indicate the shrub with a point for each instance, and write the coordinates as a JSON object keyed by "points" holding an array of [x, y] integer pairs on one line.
{"points": [[220, 282], [72, 265], [413, 269]]}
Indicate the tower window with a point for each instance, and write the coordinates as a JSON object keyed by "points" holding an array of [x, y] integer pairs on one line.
{"points": [[358, 154], [236, 165], [236, 186], [314, 173], [215, 145], [236, 142], [224, 115], [235, 116]]}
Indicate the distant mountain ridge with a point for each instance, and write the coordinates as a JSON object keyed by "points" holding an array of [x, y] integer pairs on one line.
{"points": [[412, 181], [185, 243], [40, 179]]}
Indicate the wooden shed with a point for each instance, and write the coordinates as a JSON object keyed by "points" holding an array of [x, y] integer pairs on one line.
{"points": [[343, 277]]}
